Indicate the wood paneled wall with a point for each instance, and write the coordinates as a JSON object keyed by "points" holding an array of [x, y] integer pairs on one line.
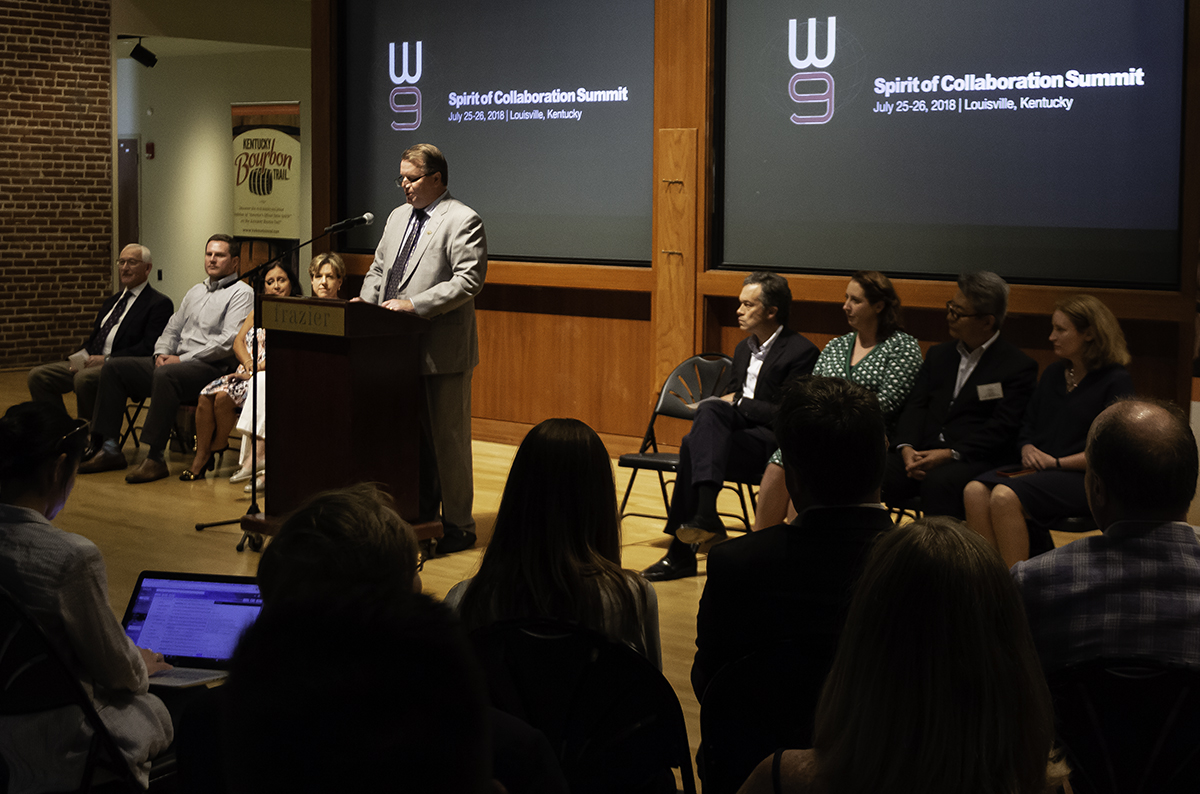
{"points": [[595, 342]]}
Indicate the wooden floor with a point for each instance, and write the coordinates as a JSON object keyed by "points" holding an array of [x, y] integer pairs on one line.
{"points": [[151, 527]]}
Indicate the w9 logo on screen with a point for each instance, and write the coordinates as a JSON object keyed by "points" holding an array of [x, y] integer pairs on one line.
{"points": [[812, 90], [405, 99]]}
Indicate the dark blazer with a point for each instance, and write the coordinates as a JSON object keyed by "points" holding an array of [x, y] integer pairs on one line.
{"points": [[143, 323], [787, 582], [981, 431], [790, 356]]}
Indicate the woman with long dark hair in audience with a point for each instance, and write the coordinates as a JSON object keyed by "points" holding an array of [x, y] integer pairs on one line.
{"points": [[1048, 485], [936, 687], [555, 551], [877, 354], [216, 410], [60, 580]]}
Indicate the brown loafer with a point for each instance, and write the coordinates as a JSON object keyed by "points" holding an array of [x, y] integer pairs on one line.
{"points": [[149, 471], [103, 461]]}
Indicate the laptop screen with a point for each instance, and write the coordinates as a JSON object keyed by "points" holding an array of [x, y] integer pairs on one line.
{"points": [[192, 619]]}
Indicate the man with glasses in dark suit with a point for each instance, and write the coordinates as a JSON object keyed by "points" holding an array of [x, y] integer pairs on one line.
{"points": [[965, 409]]}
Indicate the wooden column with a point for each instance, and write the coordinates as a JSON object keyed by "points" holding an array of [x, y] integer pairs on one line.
{"points": [[675, 254]]}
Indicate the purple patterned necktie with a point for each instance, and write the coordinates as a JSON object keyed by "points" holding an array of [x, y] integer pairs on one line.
{"points": [[396, 274], [96, 345]]}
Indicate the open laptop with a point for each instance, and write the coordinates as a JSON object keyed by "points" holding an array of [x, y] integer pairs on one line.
{"points": [[193, 619]]}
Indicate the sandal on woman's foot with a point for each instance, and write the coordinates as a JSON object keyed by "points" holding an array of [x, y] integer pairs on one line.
{"points": [[241, 475]]}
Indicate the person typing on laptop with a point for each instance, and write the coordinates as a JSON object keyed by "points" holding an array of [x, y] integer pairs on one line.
{"points": [[60, 579]]}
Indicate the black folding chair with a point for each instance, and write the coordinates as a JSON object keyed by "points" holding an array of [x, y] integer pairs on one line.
{"points": [[1129, 726], [133, 409], [705, 375], [610, 715], [755, 705], [34, 679]]}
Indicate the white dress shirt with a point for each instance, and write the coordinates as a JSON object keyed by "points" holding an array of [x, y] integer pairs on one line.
{"points": [[134, 293], [758, 354]]}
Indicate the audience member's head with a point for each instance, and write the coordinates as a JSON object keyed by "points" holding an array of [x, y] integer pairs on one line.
{"points": [[1107, 343], [1141, 463], [775, 294], [363, 689], [40, 449], [878, 289], [349, 536], [557, 532], [936, 686], [326, 272], [834, 442]]}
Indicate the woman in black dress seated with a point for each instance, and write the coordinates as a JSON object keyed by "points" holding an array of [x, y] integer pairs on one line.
{"points": [[1048, 485], [556, 549], [936, 687]]}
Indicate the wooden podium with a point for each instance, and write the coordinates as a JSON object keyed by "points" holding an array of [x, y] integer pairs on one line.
{"points": [[344, 401]]}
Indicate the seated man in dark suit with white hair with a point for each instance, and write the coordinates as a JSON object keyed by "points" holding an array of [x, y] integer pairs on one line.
{"points": [[128, 323]]}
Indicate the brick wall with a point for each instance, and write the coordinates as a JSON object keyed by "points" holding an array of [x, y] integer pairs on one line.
{"points": [[55, 175]]}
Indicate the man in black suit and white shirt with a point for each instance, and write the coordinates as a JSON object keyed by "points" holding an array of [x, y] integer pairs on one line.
{"points": [[965, 409], [792, 582], [129, 322], [732, 435]]}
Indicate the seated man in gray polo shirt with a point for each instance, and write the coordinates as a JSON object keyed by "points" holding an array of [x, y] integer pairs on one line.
{"points": [[195, 348]]}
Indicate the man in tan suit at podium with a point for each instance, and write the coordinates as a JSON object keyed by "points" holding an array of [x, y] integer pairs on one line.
{"points": [[432, 261]]}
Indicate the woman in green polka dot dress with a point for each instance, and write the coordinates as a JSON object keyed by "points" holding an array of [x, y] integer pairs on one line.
{"points": [[876, 354]]}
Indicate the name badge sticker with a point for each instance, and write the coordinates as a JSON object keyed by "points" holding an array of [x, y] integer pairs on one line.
{"points": [[990, 391]]}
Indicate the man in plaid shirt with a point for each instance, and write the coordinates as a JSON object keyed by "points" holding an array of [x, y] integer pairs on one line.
{"points": [[1135, 590]]}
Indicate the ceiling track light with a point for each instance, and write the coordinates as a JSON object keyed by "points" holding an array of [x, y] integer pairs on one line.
{"points": [[140, 53]]}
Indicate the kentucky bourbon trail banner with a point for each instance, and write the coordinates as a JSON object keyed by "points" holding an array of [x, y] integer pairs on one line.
{"points": [[266, 171]]}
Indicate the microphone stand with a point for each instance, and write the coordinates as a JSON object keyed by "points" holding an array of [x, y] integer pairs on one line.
{"points": [[256, 539]]}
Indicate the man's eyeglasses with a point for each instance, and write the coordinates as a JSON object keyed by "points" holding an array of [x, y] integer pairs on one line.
{"points": [[956, 313], [420, 563], [400, 180], [124, 262], [76, 436]]}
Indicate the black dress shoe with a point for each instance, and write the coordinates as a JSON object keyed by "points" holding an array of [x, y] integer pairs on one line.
{"points": [[667, 569], [455, 540]]}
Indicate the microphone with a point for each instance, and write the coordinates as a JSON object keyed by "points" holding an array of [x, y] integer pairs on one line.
{"points": [[366, 219]]}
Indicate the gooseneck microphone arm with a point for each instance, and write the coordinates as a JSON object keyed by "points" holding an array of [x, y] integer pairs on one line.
{"points": [[366, 219]]}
